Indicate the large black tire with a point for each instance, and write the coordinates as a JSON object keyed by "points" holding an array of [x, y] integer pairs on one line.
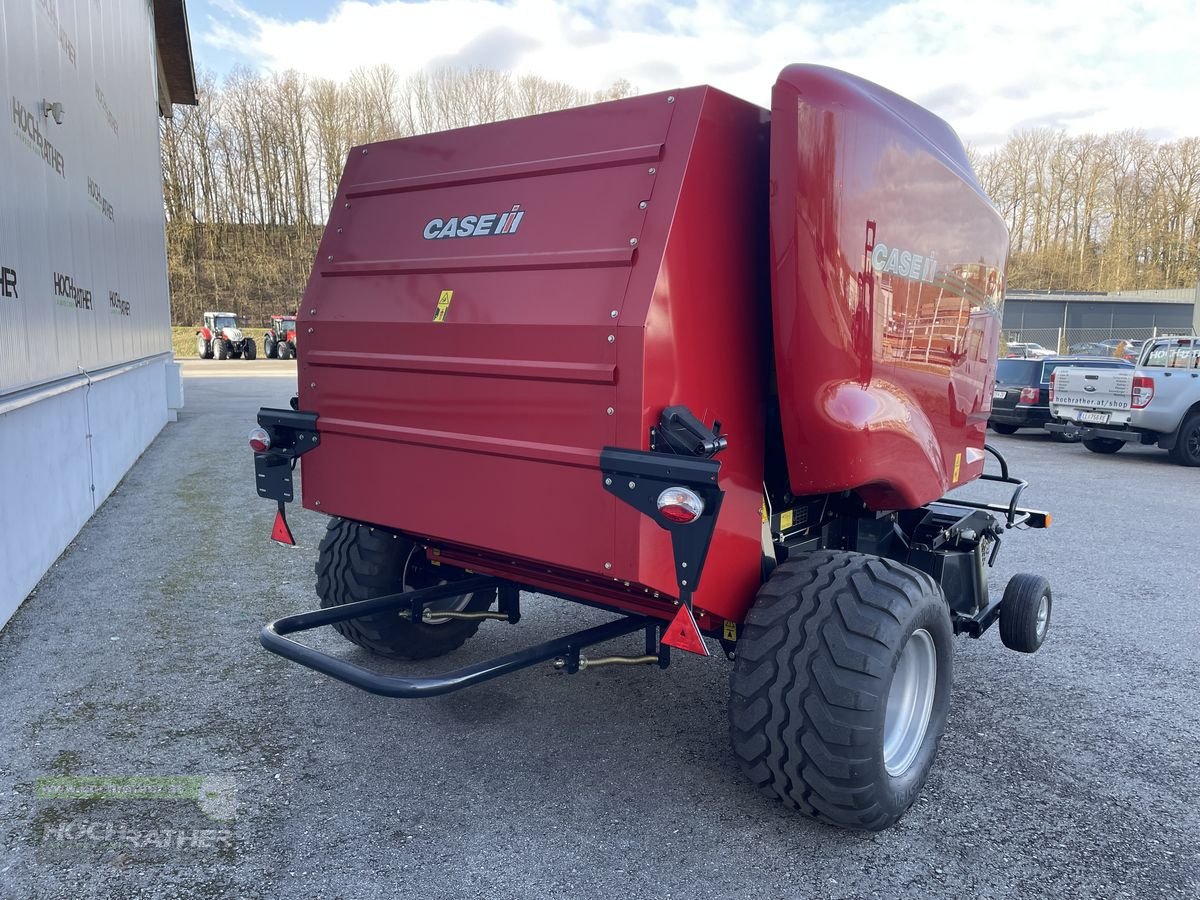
{"points": [[358, 562], [1103, 445], [1002, 428], [220, 348], [249, 348], [1186, 451], [1025, 613], [268, 347], [812, 682], [202, 348], [282, 350]]}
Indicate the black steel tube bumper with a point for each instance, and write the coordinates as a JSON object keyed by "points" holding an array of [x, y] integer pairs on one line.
{"points": [[273, 638]]}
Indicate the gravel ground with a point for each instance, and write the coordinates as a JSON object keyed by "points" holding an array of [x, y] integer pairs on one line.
{"points": [[1072, 773]]}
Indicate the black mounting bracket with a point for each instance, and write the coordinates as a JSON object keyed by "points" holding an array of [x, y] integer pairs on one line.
{"points": [[637, 477], [292, 435]]}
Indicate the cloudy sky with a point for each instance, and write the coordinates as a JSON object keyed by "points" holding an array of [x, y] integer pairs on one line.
{"points": [[986, 67]]}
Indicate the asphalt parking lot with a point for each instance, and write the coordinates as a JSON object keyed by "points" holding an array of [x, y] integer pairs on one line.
{"points": [[1072, 773]]}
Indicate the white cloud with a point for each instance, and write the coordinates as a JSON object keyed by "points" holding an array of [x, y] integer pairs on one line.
{"points": [[986, 67]]}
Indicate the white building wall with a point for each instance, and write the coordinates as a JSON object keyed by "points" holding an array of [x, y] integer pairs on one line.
{"points": [[84, 309]]}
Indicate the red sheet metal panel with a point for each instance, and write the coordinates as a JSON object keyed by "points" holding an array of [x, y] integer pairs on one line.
{"points": [[492, 306], [888, 277]]}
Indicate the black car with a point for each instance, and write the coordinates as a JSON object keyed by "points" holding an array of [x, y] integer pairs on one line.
{"points": [[1021, 398]]}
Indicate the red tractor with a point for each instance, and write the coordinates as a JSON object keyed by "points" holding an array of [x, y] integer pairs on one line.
{"points": [[708, 366], [280, 341], [220, 338]]}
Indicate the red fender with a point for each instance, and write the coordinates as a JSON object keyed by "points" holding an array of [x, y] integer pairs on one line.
{"points": [[204, 331]]}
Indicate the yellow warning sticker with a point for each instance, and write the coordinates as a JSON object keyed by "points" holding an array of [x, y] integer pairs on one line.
{"points": [[957, 467], [443, 305], [763, 511], [785, 520], [730, 631]]}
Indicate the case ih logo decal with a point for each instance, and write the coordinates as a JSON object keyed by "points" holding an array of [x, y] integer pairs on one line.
{"points": [[8, 283], [904, 263], [475, 226], [27, 127], [69, 294]]}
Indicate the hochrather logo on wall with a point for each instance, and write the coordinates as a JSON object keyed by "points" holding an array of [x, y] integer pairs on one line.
{"points": [[8, 283], [69, 293], [108, 113], [97, 198], [116, 305], [50, 8], [31, 136]]}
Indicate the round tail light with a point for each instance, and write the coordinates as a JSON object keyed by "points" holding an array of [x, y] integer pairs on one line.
{"points": [[679, 504], [260, 441]]}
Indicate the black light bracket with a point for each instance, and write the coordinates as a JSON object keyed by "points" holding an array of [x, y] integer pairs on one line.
{"points": [[638, 477], [292, 434]]}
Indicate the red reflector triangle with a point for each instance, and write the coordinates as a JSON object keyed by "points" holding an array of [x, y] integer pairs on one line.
{"points": [[684, 634], [281, 532]]}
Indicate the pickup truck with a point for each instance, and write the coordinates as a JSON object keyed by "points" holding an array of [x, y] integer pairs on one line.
{"points": [[1158, 402]]}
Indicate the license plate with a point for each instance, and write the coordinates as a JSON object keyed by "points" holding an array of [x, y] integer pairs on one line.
{"points": [[999, 395], [1097, 418]]}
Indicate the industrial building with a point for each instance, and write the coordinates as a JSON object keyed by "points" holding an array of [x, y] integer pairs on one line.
{"points": [[1060, 319], [86, 374]]}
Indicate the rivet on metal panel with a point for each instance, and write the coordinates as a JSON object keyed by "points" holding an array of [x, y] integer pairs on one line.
{"points": [[649, 171], [310, 331], [632, 243], [608, 481], [611, 410], [313, 311], [613, 314], [339, 231], [611, 338], [669, 100], [632, 485], [347, 204], [656, 595], [608, 565], [316, 503], [642, 205], [330, 257], [312, 384], [683, 582], [626, 583], [684, 565], [364, 151]]}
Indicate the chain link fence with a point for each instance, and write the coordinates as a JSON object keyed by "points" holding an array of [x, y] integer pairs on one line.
{"points": [[1079, 341]]}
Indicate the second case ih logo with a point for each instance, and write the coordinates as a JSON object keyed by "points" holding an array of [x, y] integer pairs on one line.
{"points": [[481, 225]]}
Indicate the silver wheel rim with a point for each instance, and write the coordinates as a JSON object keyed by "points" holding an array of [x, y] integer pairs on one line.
{"points": [[450, 604], [909, 703], [1043, 616]]}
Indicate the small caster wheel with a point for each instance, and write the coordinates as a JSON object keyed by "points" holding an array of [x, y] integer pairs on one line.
{"points": [[1025, 613]]}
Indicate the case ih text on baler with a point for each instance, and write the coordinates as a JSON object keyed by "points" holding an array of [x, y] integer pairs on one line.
{"points": [[719, 381]]}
